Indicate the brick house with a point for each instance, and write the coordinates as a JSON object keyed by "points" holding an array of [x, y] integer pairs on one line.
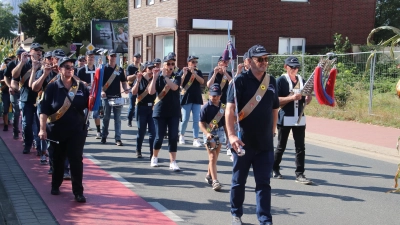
{"points": [[157, 27]]}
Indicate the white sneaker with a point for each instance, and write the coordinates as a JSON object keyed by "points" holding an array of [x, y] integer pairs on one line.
{"points": [[154, 162], [229, 152], [173, 166], [181, 140], [98, 135], [196, 143]]}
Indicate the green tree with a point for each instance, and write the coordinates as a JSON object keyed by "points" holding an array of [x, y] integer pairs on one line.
{"points": [[8, 21], [387, 14], [69, 19]]}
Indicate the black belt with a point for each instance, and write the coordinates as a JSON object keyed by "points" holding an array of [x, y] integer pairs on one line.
{"points": [[145, 104]]}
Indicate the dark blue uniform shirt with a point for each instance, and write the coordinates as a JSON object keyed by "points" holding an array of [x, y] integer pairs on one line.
{"points": [[256, 127], [114, 90], [51, 75], [282, 87], [170, 105], [27, 95], [208, 112], [142, 87], [73, 120], [5, 89], [193, 94], [132, 69], [218, 80], [86, 77]]}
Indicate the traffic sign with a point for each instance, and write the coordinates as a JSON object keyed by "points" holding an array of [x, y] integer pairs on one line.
{"points": [[72, 48], [90, 47]]}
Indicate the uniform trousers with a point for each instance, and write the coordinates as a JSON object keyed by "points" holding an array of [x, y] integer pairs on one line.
{"points": [[161, 124], [16, 110], [131, 109], [262, 166], [144, 119], [298, 136], [70, 147]]}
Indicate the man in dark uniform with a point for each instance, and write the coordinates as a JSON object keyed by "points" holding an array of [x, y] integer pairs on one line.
{"points": [[5, 94], [256, 89], [80, 63], [23, 74], [134, 67], [14, 93], [86, 74], [292, 105], [111, 89]]}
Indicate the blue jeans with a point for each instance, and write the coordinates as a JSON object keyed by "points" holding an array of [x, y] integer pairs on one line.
{"points": [[131, 109], [144, 119], [28, 117], [15, 105], [117, 119], [262, 167], [161, 124], [195, 108], [5, 99]]}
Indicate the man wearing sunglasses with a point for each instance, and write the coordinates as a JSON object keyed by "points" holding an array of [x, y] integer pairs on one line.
{"points": [[289, 86], [21, 76], [132, 69], [258, 111], [112, 89], [191, 100]]}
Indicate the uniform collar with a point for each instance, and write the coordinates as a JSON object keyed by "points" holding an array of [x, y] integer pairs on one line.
{"points": [[251, 75], [210, 103], [60, 84]]}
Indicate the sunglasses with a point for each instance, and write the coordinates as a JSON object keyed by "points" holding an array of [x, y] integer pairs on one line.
{"points": [[67, 67], [294, 67], [150, 68], [82, 60], [112, 56], [170, 64], [195, 61], [260, 59]]}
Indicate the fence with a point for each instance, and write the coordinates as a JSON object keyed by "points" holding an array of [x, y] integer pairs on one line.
{"points": [[380, 78]]}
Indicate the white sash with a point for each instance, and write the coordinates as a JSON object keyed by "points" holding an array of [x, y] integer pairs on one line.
{"points": [[291, 120]]}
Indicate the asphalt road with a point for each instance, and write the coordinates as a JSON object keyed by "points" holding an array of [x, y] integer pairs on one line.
{"points": [[348, 188]]}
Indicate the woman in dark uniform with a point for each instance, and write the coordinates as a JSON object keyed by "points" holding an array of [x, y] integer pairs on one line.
{"points": [[62, 110], [144, 108], [167, 110]]}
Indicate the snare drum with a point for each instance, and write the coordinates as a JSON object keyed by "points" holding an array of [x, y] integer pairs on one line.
{"points": [[116, 101]]}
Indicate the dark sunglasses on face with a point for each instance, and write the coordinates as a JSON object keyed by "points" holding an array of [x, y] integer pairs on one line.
{"points": [[260, 59], [82, 60], [170, 64], [112, 56], [294, 67], [195, 61], [67, 67]]}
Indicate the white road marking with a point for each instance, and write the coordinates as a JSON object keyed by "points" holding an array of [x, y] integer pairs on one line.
{"points": [[95, 161], [122, 180], [166, 212]]}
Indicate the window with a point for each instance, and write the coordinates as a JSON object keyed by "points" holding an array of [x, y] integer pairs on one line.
{"points": [[291, 45], [208, 48], [138, 3], [164, 44], [150, 2], [149, 47], [137, 45]]}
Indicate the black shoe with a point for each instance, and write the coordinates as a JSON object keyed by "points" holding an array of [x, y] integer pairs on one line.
{"points": [[5, 128], [209, 179], [80, 198], [67, 176], [26, 151], [138, 154], [277, 175], [55, 191], [119, 143], [303, 180], [15, 135], [103, 140], [236, 220], [50, 171], [130, 124]]}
